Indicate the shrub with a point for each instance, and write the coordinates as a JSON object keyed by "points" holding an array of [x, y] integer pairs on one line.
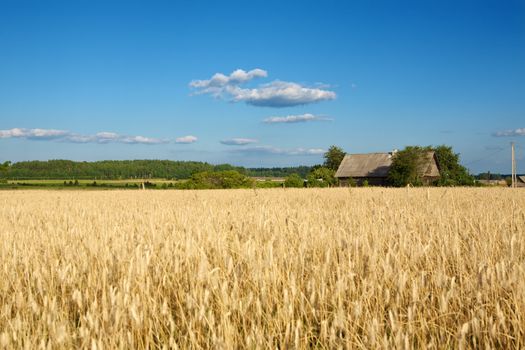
{"points": [[294, 180], [322, 177], [219, 179]]}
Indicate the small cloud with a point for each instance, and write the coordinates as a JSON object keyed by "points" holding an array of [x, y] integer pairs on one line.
{"points": [[67, 136], [275, 94], [270, 150], [186, 139], [507, 133], [238, 141], [142, 140], [301, 118], [306, 151], [106, 137]]}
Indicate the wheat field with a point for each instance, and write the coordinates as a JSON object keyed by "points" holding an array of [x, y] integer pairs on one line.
{"points": [[267, 269]]}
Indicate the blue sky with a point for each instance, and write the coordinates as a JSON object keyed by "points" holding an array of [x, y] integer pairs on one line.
{"points": [[261, 83]]}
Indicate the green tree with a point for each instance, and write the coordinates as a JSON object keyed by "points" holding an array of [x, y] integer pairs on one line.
{"points": [[4, 168], [293, 180], [407, 166], [333, 157], [322, 177], [5, 165], [452, 173]]}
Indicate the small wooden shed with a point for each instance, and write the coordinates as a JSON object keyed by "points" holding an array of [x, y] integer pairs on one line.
{"points": [[374, 168]]}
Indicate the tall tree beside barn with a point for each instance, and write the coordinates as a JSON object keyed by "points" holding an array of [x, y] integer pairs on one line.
{"points": [[452, 173], [407, 167], [333, 157]]}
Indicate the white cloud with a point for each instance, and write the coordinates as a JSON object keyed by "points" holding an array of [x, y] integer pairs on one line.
{"points": [[274, 94], [106, 137], [238, 76], [186, 139], [35, 134], [142, 139], [238, 141], [67, 136], [301, 118], [307, 151], [270, 150], [280, 94], [515, 132]]}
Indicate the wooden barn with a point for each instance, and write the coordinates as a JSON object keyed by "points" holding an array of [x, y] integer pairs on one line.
{"points": [[374, 167], [520, 181]]}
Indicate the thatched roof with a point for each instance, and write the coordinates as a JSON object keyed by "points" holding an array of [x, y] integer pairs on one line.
{"points": [[378, 165]]}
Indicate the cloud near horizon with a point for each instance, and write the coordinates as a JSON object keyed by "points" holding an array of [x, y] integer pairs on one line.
{"points": [[507, 133], [238, 141], [300, 118], [186, 139], [274, 94], [67, 136], [270, 150]]}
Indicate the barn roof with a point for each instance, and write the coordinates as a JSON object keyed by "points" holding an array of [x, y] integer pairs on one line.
{"points": [[522, 178], [365, 165], [378, 165]]}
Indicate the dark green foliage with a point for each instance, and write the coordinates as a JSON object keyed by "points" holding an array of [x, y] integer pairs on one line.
{"points": [[219, 179], [4, 168], [407, 165], [322, 177], [294, 180], [452, 173], [107, 169], [224, 167], [128, 169], [333, 157], [303, 171]]}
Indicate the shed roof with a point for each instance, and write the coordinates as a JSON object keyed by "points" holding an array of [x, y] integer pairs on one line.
{"points": [[522, 178], [378, 165]]}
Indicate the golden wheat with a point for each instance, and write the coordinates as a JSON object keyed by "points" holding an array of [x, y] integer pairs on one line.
{"points": [[326, 268]]}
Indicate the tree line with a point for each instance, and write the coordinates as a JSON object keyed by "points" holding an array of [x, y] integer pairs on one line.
{"points": [[129, 169]]}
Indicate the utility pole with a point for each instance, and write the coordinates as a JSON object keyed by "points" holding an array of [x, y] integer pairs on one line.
{"points": [[513, 166]]}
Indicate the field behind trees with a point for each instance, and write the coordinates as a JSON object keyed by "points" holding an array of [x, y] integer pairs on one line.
{"points": [[293, 268]]}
